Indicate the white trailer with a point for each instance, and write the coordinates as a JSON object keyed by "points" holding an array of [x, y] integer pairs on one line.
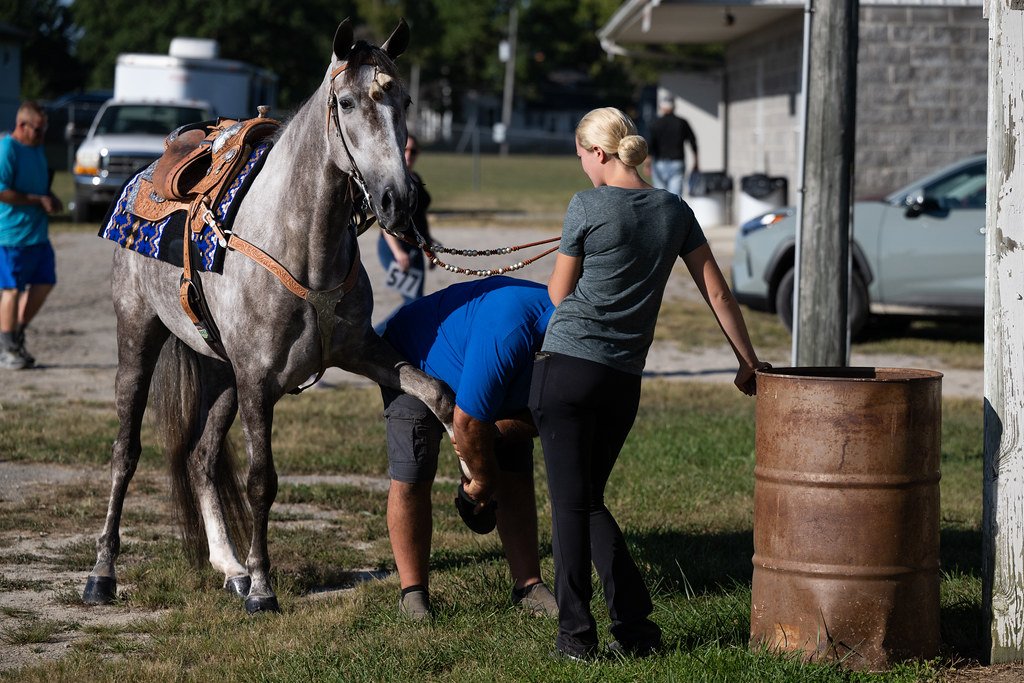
{"points": [[153, 94], [192, 70]]}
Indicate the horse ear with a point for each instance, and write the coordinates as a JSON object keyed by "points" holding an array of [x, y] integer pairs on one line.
{"points": [[397, 41], [343, 40]]}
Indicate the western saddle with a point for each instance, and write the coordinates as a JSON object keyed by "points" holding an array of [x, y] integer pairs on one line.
{"points": [[199, 164]]}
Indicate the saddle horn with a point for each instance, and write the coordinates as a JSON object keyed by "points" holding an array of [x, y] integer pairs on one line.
{"points": [[398, 40], [343, 40]]}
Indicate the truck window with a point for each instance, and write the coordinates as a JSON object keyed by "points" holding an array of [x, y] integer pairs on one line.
{"points": [[146, 119]]}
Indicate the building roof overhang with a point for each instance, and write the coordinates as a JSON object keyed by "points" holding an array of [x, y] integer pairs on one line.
{"points": [[695, 22]]}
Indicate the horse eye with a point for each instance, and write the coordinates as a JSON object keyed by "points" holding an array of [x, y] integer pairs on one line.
{"points": [[347, 103], [408, 102]]}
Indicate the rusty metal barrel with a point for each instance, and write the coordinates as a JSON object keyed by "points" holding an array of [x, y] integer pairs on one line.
{"points": [[846, 514]]}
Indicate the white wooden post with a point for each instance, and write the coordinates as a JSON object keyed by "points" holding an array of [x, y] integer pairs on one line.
{"points": [[1003, 517]]}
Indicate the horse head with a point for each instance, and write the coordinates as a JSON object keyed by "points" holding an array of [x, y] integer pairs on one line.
{"points": [[368, 102]]}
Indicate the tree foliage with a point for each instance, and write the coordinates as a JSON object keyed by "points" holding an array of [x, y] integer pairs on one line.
{"points": [[48, 68], [558, 55], [454, 43]]}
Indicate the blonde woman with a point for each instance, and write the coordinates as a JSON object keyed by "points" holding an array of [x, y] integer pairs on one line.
{"points": [[619, 243]]}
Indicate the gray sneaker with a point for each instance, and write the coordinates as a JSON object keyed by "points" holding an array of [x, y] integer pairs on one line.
{"points": [[29, 358], [10, 359], [19, 339], [536, 599], [415, 605]]}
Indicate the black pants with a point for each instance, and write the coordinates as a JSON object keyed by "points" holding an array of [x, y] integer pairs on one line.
{"points": [[584, 411]]}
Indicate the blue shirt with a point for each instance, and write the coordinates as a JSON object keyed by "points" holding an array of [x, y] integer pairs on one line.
{"points": [[24, 169], [479, 338]]}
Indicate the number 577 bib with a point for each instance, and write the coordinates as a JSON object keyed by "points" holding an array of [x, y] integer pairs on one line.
{"points": [[406, 283]]}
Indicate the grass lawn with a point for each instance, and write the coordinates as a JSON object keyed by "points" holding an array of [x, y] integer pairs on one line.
{"points": [[954, 343], [682, 492], [523, 184]]}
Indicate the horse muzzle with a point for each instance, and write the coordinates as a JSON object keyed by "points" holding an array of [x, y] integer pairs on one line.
{"points": [[395, 209]]}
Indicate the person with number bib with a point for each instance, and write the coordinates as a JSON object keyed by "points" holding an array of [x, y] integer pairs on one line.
{"points": [[404, 263]]}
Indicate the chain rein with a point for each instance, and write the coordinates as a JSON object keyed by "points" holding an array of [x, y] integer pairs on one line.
{"points": [[431, 251]]}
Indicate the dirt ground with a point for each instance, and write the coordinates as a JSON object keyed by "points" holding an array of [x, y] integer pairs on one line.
{"points": [[73, 339], [74, 336]]}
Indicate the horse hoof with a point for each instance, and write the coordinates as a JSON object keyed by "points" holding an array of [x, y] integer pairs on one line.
{"points": [[99, 590], [265, 604], [238, 585]]}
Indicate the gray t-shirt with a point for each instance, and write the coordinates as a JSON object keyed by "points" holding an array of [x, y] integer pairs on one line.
{"points": [[629, 241]]}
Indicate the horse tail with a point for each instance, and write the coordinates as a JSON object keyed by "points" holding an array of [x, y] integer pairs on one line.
{"points": [[176, 401]]}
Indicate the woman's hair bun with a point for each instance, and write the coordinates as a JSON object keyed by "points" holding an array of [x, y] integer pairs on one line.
{"points": [[632, 150]]}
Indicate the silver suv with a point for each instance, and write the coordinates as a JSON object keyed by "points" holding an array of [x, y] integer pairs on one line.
{"points": [[919, 252]]}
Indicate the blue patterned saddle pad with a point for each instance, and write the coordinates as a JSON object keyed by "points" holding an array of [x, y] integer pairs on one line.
{"points": [[163, 240]]}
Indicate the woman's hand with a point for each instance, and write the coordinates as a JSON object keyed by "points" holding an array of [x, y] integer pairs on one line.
{"points": [[746, 380], [402, 259]]}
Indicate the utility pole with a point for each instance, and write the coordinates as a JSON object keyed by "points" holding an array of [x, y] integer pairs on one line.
{"points": [[1003, 511], [510, 75], [820, 326]]}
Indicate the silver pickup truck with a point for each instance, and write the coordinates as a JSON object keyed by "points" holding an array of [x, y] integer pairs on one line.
{"points": [[125, 136]]}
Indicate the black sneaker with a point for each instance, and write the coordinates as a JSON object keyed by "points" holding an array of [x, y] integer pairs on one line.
{"points": [[637, 650], [583, 657]]}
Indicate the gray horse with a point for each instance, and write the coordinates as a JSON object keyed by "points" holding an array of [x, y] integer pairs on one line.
{"points": [[345, 142]]}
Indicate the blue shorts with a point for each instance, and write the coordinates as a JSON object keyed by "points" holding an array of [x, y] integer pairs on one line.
{"points": [[21, 267]]}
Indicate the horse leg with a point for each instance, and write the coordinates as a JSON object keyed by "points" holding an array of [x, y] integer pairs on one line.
{"points": [[256, 409], [213, 478], [381, 363], [139, 346]]}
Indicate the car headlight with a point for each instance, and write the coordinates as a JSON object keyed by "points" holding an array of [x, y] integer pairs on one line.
{"points": [[87, 162], [765, 220]]}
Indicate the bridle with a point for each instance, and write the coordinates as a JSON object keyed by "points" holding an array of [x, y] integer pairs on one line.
{"points": [[362, 218]]}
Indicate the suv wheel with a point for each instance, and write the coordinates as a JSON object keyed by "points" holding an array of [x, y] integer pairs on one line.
{"points": [[857, 315]]}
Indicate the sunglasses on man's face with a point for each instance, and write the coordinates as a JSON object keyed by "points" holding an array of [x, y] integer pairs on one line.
{"points": [[37, 129], [412, 151]]}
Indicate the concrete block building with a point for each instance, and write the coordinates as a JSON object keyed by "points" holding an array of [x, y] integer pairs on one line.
{"points": [[922, 82]]}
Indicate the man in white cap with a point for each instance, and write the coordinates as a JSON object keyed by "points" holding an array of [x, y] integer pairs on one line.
{"points": [[666, 163]]}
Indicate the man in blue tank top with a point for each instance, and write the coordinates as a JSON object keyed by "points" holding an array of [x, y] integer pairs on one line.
{"points": [[479, 338]]}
